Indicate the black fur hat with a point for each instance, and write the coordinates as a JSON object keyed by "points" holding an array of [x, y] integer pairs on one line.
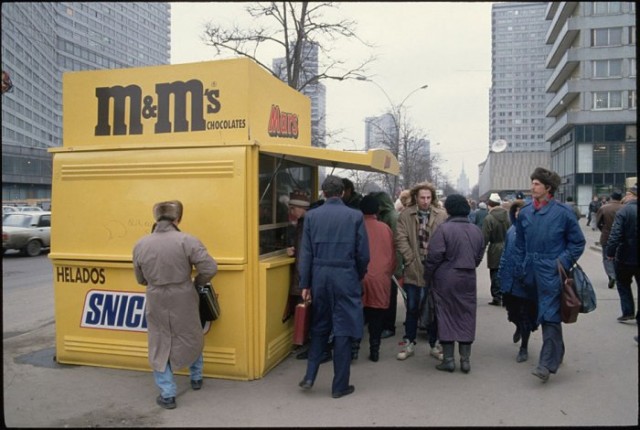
{"points": [[457, 205], [548, 178], [369, 205]]}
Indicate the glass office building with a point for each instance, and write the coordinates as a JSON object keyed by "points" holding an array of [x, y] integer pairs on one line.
{"points": [[40, 41]]}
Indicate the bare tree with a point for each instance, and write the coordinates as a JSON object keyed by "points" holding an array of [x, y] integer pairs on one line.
{"points": [[293, 25]]}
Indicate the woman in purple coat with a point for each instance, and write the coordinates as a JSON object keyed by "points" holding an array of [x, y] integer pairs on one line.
{"points": [[454, 251]]}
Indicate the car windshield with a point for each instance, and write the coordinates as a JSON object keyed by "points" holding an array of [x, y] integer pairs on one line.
{"points": [[17, 220]]}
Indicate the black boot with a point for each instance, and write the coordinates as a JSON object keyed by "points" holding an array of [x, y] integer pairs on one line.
{"points": [[355, 348], [448, 362], [465, 353], [374, 349]]}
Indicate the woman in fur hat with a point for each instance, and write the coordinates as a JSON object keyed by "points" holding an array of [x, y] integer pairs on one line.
{"points": [[547, 232], [454, 252], [163, 261]]}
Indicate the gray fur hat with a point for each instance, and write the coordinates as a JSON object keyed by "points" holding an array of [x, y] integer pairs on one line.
{"points": [[169, 211]]}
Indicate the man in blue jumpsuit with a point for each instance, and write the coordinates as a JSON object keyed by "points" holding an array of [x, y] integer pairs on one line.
{"points": [[332, 262]]}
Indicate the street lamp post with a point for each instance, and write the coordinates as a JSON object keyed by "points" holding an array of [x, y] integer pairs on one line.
{"points": [[396, 112]]}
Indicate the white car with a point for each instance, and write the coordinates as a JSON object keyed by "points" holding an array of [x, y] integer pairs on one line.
{"points": [[29, 232], [30, 209]]}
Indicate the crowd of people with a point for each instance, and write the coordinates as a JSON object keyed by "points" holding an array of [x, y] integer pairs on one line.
{"points": [[431, 250], [354, 253]]}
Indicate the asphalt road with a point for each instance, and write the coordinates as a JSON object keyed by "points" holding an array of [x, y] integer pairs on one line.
{"points": [[597, 385]]}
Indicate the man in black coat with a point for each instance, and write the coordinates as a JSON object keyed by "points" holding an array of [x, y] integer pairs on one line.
{"points": [[623, 246]]}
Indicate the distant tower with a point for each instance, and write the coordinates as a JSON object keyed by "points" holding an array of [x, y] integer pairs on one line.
{"points": [[463, 183]]}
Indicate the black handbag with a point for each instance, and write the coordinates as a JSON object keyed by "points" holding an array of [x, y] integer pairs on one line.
{"points": [[209, 306], [584, 289]]}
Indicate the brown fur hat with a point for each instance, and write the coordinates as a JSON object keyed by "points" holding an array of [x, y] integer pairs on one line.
{"points": [[548, 178], [169, 211]]}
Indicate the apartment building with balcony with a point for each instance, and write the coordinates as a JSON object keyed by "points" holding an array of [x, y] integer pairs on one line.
{"points": [[593, 108]]}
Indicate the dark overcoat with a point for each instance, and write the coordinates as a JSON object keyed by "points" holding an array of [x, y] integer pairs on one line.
{"points": [[543, 237], [455, 250], [508, 285], [333, 260]]}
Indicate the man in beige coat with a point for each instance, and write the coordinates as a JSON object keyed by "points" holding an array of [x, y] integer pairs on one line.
{"points": [[415, 226], [163, 261]]}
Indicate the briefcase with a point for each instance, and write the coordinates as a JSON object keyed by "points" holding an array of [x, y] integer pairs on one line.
{"points": [[301, 321], [209, 306]]}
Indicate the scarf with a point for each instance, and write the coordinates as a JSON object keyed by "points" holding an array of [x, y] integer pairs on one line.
{"points": [[423, 233], [539, 205]]}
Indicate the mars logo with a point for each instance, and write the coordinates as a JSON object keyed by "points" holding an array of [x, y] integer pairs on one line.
{"points": [[282, 124], [139, 107]]}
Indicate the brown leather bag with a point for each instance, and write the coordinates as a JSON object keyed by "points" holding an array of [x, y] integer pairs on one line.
{"points": [[569, 301], [301, 320]]}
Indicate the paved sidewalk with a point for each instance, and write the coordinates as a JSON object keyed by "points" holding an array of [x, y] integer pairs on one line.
{"points": [[597, 385]]}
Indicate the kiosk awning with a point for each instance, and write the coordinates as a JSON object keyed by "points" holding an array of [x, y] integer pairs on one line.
{"points": [[374, 160]]}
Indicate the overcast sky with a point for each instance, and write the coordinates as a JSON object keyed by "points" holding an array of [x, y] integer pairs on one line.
{"points": [[445, 45]]}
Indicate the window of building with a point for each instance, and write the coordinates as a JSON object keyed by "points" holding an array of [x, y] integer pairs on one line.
{"points": [[632, 99], [606, 7], [606, 36], [607, 100], [277, 179], [607, 68]]}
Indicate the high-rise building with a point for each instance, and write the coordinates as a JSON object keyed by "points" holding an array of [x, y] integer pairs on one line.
{"points": [[517, 97], [518, 75], [40, 41], [316, 91], [380, 132], [593, 85]]}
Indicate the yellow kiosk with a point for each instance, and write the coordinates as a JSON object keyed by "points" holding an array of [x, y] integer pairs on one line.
{"points": [[227, 139]]}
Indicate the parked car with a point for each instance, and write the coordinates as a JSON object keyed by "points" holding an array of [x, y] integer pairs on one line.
{"points": [[9, 209], [29, 232], [30, 209]]}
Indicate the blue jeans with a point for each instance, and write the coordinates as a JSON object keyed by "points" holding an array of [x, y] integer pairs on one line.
{"points": [[166, 383], [415, 295]]}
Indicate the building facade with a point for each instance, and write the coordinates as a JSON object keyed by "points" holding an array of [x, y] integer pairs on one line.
{"points": [[593, 111], [517, 98], [380, 132], [41, 41], [316, 91]]}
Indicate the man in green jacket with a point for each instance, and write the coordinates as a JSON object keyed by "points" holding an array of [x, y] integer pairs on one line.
{"points": [[494, 230]]}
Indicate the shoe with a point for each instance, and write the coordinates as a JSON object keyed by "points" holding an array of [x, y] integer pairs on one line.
{"points": [[517, 335], [350, 389], [625, 318], [374, 356], [496, 302], [387, 333], [522, 355], [541, 372], [436, 352], [196, 385], [354, 355], [408, 349], [302, 355], [612, 283], [168, 403], [305, 384]]}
